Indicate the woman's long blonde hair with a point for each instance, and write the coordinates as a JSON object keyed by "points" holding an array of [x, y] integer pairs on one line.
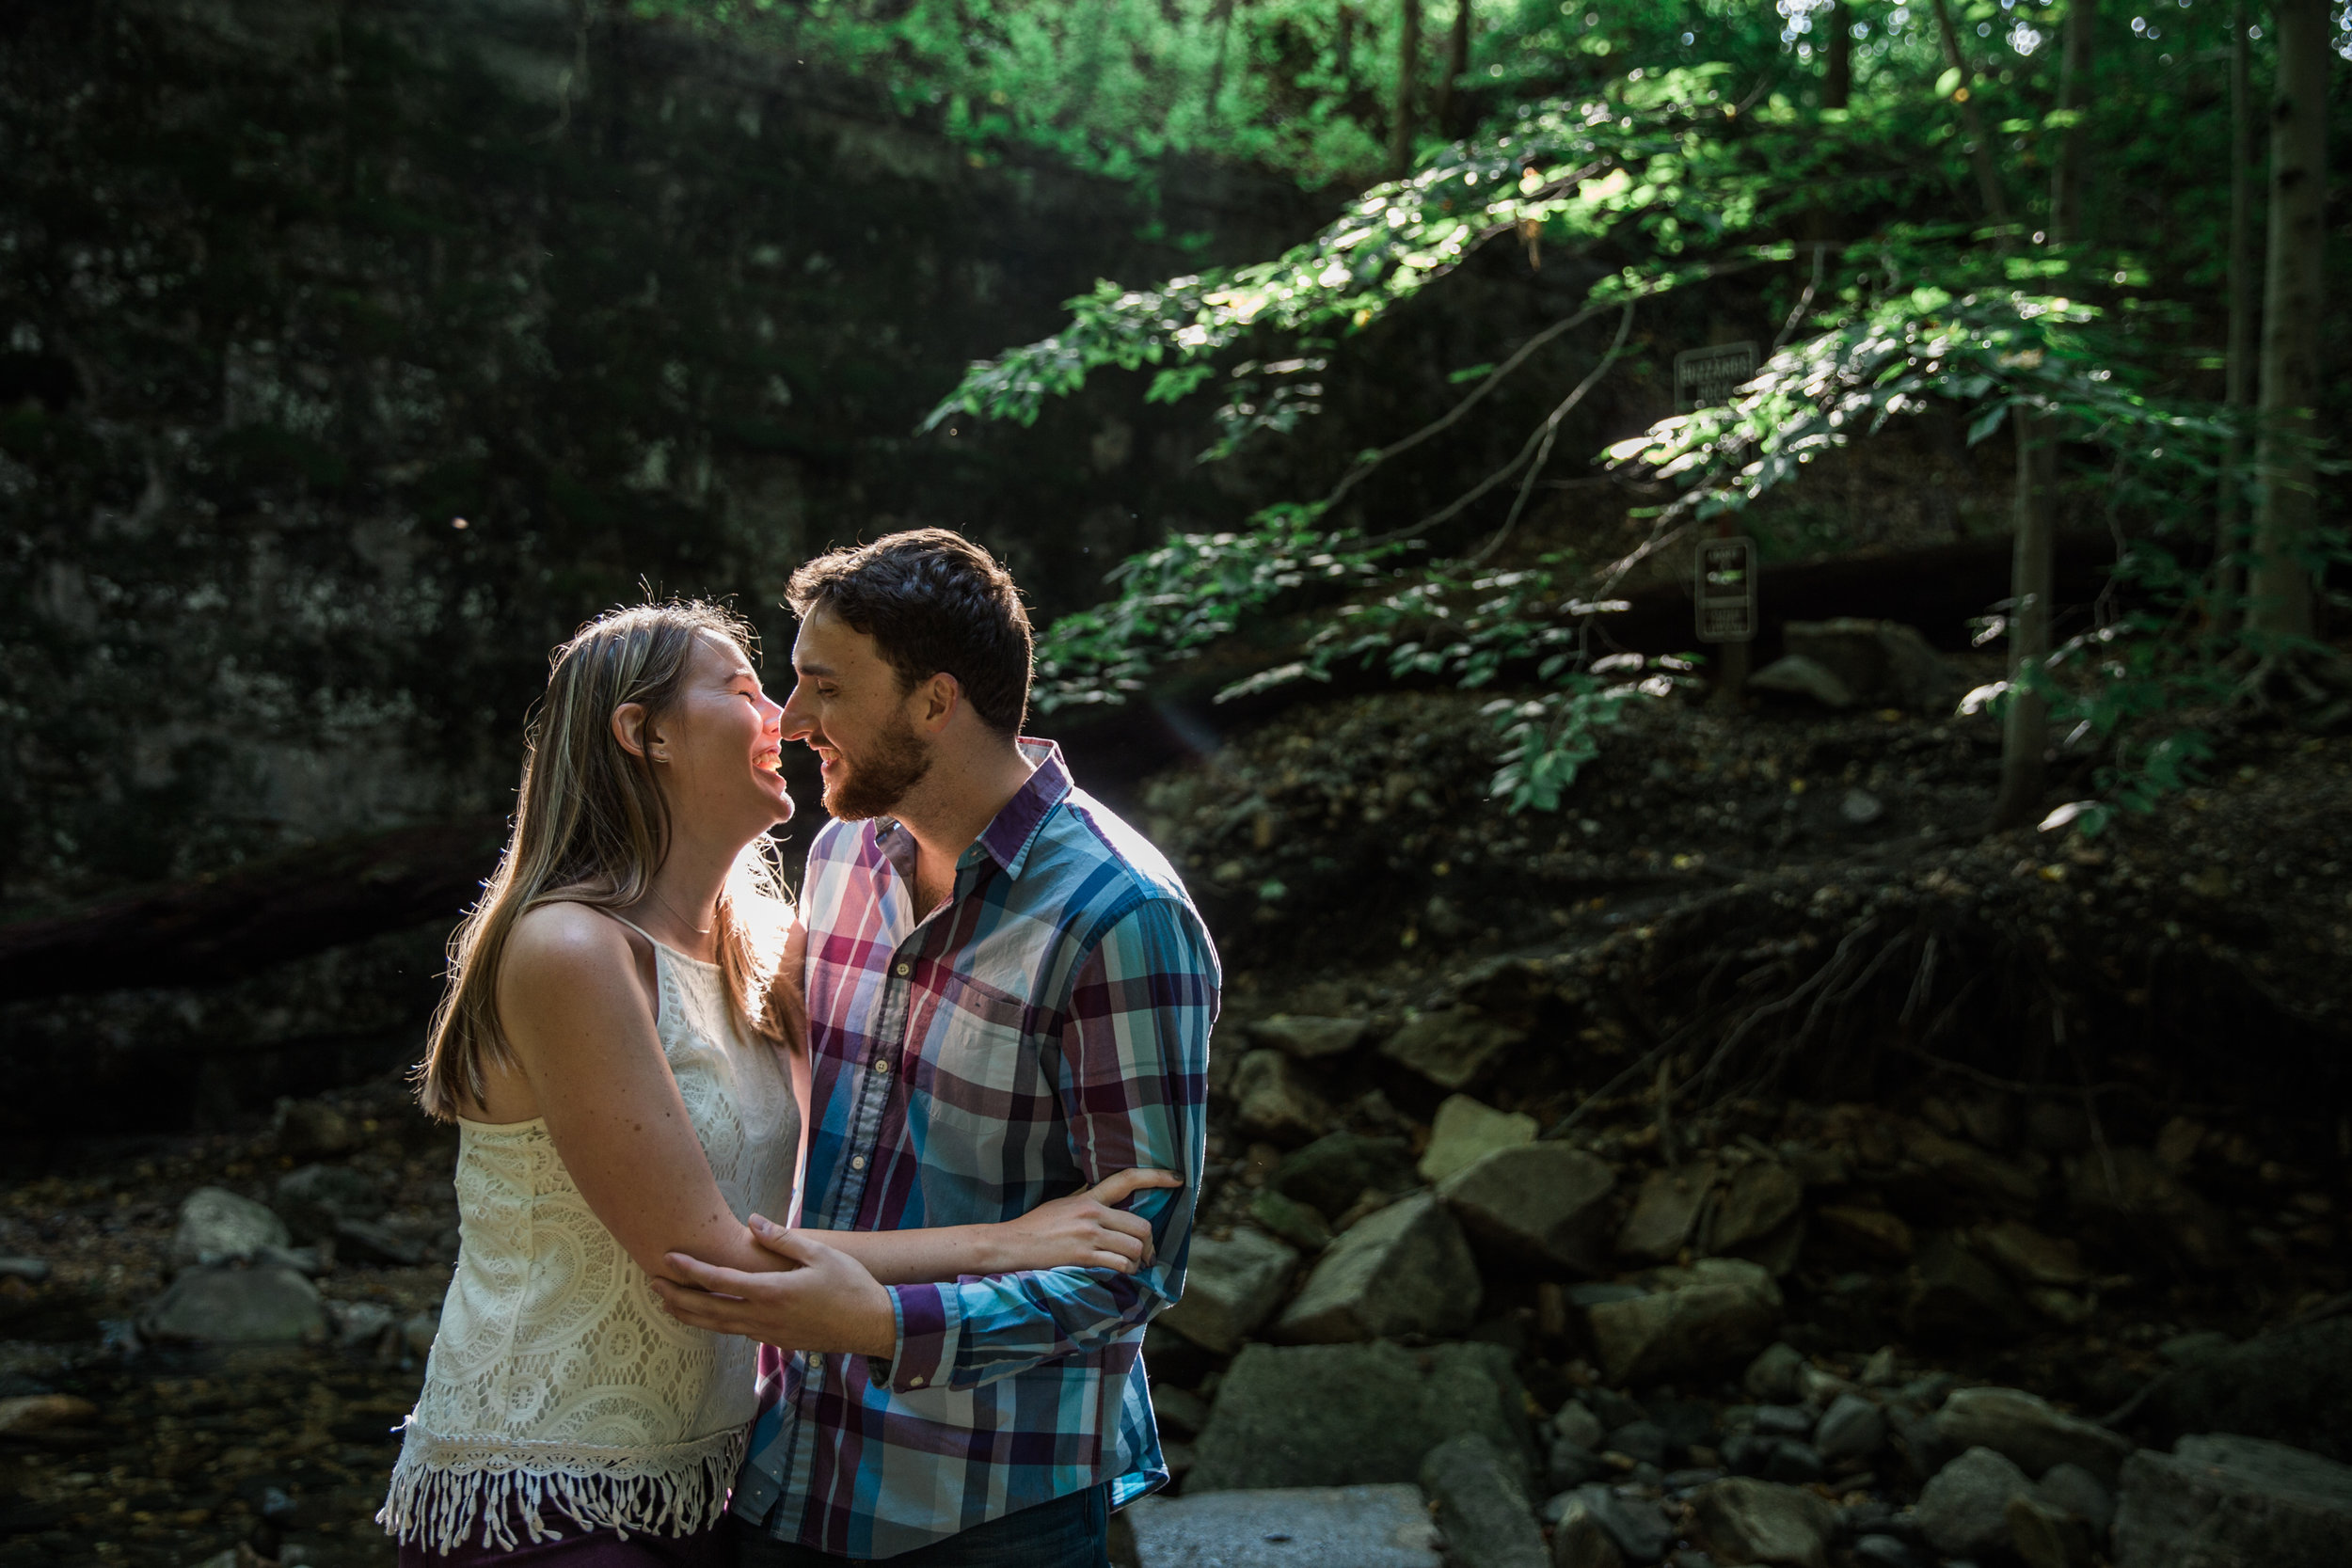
{"points": [[592, 826]]}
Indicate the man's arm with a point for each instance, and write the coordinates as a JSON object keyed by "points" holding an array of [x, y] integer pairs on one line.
{"points": [[1135, 1058]]}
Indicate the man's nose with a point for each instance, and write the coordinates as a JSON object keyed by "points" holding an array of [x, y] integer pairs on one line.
{"points": [[795, 724]]}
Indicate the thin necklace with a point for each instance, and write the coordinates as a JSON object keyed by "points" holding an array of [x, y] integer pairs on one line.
{"points": [[698, 931]]}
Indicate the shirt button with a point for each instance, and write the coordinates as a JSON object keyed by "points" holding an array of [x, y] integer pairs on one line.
{"points": [[882, 1066], [915, 1382], [906, 969], [857, 1161]]}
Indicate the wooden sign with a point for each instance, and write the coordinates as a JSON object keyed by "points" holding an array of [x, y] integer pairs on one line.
{"points": [[1726, 590], [1706, 376]]}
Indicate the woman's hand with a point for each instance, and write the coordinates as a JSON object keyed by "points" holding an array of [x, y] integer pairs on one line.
{"points": [[1085, 1230]]}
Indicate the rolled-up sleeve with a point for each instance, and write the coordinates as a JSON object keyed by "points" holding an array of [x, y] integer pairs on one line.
{"points": [[1133, 1080]]}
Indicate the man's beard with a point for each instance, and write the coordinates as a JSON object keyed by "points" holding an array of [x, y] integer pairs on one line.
{"points": [[873, 785]]}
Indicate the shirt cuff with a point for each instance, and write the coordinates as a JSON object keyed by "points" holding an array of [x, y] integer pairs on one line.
{"points": [[921, 1314]]}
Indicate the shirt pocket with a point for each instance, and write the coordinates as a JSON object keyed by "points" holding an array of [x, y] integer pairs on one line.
{"points": [[978, 1058]]}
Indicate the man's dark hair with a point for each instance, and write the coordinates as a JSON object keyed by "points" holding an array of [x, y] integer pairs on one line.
{"points": [[934, 603]]}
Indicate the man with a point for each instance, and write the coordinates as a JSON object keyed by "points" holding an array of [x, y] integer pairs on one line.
{"points": [[1009, 998]]}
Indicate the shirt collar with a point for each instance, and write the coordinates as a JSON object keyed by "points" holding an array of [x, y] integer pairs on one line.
{"points": [[1008, 838]]}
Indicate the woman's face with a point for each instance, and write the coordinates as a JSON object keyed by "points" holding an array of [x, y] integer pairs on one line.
{"points": [[719, 746]]}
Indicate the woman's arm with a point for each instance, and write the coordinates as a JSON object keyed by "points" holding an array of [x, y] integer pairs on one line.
{"points": [[1085, 1230], [582, 1029]]}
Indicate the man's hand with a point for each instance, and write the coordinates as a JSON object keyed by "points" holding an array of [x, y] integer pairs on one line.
{"points": [[827, 1302]]}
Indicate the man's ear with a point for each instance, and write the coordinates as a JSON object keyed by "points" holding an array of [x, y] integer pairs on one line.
{"points": [[935, 702], [633, 729]]}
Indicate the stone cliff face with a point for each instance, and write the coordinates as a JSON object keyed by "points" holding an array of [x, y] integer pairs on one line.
{"points": [[350, 355]]}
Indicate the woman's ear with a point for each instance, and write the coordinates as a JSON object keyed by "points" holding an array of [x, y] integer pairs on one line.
{"points": [[630, 728]]}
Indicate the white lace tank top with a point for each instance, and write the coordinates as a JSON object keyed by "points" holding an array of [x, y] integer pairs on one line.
{"points": [[556, 1381]]}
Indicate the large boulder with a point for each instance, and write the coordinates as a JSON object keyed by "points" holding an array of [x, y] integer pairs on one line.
{"points": [[1758, 1200], [218, 1226], [1354, 1414], [1667, 1211], [1305, 1038], [1545, 1204], [1404, 1270], [1880, 663], [1331, 1174], [1761, 1521], [1465, 1130], [1718, 1312], [1453, 1047], [1964, 1510], [1300, 1526], [1230, 1288], [1482, 1507], [316, 1199], [2291, 1385], [2030, 1431], [1273, 1100], [2132, 1189], [2232, 1502], [232, 1304]]}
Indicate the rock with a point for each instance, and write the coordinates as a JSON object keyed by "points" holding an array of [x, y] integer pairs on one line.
{"points": [[1667, 1211], [2131, 1187], [1570, 1466], [1639, 1528], [1985, 1177], [377, 1243], [1781, 1420], [1230, 1288], [225, 1304], [1308, 1038], [306, 1130], [1793, 1462], [1177, 1411], [1779, 1251], [1798, 676], [1954, 1297], [1644, 1441], [2045, 1535], [1962, 1511], [2291, 1385], [1687, 1423], [218, 1227], [1332, 1172], [1272, 1100], [1880, 663], [1720, 1311], [1481, 1510], [1877, 1233], [2030, 1431], [1860, 808], [417, 1333], [2063, 1308], [1851, 1428], [1464, 1130], [1451, 1048], [1280, 1214], [1579, 1540], [1320, 1527], [316, 1198], [358, 1322], [2188, 1349], [2080, 1493], [2225, 1502], [30, 1270], [1576, 1425], [1757, 1521], [1753, 1204], [1885, 1551], [1404, 1270], [1772, 1377], [1545, 1204], [46, 1418], [2027, 1256], [1353, 1414]]}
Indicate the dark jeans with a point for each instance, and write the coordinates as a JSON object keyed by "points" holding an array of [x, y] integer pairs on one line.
{"points": [[1068, 1532]]}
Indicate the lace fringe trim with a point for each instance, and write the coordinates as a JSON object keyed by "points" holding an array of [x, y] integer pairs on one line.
{"points": [[442, 1487]]}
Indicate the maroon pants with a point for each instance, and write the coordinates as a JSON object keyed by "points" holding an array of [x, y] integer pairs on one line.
{"points": [[575, 1549]]}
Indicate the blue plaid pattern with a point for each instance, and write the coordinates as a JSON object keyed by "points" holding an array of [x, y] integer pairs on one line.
{"points": [[1047, 1026]]}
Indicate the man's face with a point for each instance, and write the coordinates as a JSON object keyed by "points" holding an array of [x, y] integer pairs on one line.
{"points": [[847, 704]]}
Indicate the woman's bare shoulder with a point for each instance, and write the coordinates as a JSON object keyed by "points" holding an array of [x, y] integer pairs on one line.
{"points": [[566, 943]]}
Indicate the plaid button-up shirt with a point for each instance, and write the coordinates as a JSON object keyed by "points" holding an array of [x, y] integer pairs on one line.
{"points": [[1044, 1028]]}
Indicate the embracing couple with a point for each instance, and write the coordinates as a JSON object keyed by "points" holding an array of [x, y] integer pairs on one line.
{"points": [[979, 1049]]}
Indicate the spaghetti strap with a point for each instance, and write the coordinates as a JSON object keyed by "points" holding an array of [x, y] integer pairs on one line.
{"points": [[634, 926]]}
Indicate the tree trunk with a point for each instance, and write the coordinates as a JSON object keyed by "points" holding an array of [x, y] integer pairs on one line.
{"points": [[1223, 17], [2066, 181], [1971, 122], [1408, 58], [2026, 723], [1838, 77], [2278, 586], [2238, 396], [1456, 61]]}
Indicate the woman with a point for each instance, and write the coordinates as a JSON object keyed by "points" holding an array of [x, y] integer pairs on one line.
{"points": [[620, 1048]]}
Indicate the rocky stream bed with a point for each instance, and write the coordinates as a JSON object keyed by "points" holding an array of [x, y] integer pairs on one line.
{"points": [[1751, 1164]]}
